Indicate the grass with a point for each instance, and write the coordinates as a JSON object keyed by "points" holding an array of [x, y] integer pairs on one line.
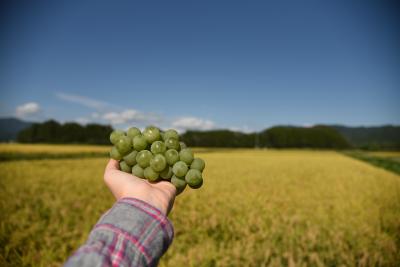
{"points": [[51, 149], [9, 151], [391, 155], [256, 208], [385, 154], [386, 160]]}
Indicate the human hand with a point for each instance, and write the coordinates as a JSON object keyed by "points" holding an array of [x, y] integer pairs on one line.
{"points": [[160, 195]]}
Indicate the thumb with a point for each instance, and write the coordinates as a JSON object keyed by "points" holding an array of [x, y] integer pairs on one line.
{"points": [[112, 165]]}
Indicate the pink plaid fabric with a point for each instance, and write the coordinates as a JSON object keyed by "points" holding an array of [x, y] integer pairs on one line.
{"points": [[131, 233]]}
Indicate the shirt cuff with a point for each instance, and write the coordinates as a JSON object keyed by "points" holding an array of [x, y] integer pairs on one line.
{"points": [[139, 228]]}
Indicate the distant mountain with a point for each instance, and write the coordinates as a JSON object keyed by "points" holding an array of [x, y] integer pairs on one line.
{"points": [[9, 128], [378, 137]]}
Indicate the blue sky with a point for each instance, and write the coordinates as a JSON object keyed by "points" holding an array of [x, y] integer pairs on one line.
{"points": [[201, 64]]}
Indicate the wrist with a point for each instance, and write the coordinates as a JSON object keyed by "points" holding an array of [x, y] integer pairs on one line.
{"points": [[162, 208], [149, 200]]}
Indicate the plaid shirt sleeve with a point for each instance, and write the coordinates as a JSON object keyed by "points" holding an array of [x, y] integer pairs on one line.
{"points": [[131, 233]]}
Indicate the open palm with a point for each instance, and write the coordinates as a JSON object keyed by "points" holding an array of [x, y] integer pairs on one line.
{"points": [[160, 195]]}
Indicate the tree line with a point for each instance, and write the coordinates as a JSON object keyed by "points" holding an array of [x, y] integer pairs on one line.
{"points": [[53, 132], [275, 137]]}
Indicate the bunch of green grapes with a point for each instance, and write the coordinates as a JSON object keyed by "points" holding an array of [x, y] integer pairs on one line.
{"points": [[156, 155]]}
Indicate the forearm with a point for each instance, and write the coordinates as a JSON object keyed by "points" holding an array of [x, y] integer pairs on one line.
{"points": [[131, 233]]}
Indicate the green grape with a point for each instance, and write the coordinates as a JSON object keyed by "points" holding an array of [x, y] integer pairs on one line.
{"points": [[182, 145], [194, 178], [138, 171], [143, 158], [198, 164], [151, 134], [116, 135], [180, 169], [172, 156], [158, 147], [124, 145], [172, 143], [150, 174], [132, 132], [171, 134], [186, 155], [139, 143], [166, 173], [158, 163], [123, 166], [179, 184], [130, 159], [157, 155], [114, 154]]}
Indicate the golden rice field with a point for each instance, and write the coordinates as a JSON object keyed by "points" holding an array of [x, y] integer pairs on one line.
{"points": [[256, 208], [50, 149]]}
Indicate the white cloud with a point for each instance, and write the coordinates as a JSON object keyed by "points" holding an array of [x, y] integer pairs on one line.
{"points": [[113, 118], [130, 116], [192, 123], [308, 125], [95, 115], [113, 114], [84, 101], [27, 109], [243, 129], [116, 115], [82, 120]]}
